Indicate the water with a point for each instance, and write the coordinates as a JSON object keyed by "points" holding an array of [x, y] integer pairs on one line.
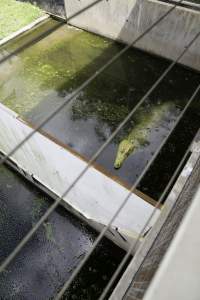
{"points": [[37, 80], [45, 263]]}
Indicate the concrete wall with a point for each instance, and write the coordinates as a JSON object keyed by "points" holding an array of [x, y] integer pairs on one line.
{"points": [[179, 272], [124, 20], [96, 197]]}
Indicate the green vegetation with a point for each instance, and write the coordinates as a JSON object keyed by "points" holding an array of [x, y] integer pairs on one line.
{"points": [[55, 63], [14, 15]]}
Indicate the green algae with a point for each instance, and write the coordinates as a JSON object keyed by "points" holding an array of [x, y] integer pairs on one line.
{"points": [[109, 112], [62, 61], [55, 250], [14, 15], [38, 79], [39, 205], [49, 232], [48, 66]]}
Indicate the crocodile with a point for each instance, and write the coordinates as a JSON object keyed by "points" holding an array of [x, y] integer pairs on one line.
{"points": [[138, 136]]}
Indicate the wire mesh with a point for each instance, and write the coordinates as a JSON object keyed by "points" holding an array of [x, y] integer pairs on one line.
{"points": [[96, 155], [135, 243]]}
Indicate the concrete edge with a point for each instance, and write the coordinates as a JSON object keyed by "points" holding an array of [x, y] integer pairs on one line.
{"points": [[178, 274], [125, 281], [186, 4], [119, 238], [8, 110], [122, 238], [23, 30], [143, 196], [55, 16]]}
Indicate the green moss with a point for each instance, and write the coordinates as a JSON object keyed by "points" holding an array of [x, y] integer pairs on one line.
{"points": [[54, 64], [14, 15], [49, 232], [37, 210], [39, 206], [106, 111]]}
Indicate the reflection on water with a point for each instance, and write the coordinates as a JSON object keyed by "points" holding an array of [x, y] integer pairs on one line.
{"points": [[157, 177], [44, 264], [40, 78]]}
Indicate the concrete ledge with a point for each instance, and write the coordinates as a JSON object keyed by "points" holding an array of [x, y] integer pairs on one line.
{"points": [[23, 30], [96, 196], [125, 20]]}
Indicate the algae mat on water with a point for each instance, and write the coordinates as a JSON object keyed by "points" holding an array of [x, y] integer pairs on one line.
{"points": [[14, 15]]}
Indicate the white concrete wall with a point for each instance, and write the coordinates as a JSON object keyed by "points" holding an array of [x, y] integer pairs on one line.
{"points": [[179, 272], [124, 20], [96, 197]]}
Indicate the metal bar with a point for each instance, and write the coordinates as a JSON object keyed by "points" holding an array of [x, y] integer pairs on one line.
{"points": [[85, 84], [174, 176], [24, 29], [32, 42], [47, 32], [135, 243], [94, 157], [101, 235]]}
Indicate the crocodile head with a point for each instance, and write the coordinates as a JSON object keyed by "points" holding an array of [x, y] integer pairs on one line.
{"points": [[124, 150]]}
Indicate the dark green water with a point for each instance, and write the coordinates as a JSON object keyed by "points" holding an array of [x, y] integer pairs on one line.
{"points": [[45, 263], [37, 80]]}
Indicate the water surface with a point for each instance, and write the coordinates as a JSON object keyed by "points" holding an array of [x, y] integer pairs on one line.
{"points": [[37, 80], [43, 265]]}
